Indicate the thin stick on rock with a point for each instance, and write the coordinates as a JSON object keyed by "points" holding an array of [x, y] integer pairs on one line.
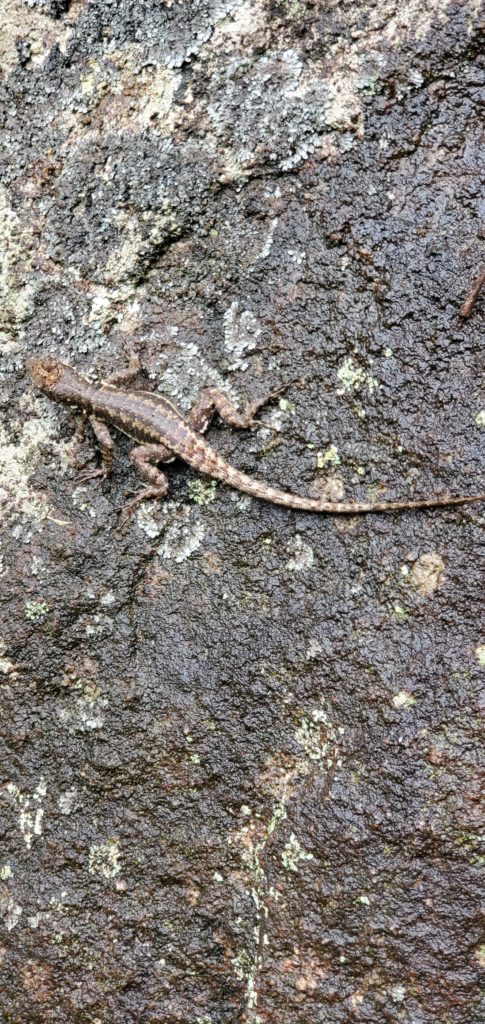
{"points": [[473, 295]]}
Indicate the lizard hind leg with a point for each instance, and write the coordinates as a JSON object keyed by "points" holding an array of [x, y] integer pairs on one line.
{"points": [[211, 400]]}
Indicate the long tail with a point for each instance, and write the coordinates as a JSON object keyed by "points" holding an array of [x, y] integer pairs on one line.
{"points": [[208, 461]]}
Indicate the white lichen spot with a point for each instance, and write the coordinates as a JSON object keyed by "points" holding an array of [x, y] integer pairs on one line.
{"points": [[5, 872], [295, 8], [241, 333], [353, 377], [31, 810], [265, 251], [427, 573], [7, 667], [37, 566], [480, 418], [15, 239], [364, 900], [145, 519], [104, 859], [67, 801], [35, 610], [138, 239], [293, 854], [313, 650], [403, 699], [397, 993], [100, 625], [241, 963], [319, 737], [479, 956], [11, 913], [302, 556], [480, 654], [85, 714], [240, 500], [181, 540]]}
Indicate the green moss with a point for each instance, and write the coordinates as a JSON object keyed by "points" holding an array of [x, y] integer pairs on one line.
{"points": [[202, 493]]}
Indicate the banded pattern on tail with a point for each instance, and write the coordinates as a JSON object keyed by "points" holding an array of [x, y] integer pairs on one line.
{"points": [[206, 460]]}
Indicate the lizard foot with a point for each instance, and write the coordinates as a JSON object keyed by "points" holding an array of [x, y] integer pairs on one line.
{"points": [[269, 398], [144, 495]]}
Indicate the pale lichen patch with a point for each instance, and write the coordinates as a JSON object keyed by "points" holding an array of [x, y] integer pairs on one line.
{"points": [[35, 610], [293, 854], [353, 377], [480, 654], [403, 699], [246, 18], [104, 859], [330, 457], [319, 737], [241, 333], [31, 810], [84, 708], [397, 993], [10, 912], [67, 800], [138, 240], [479, 956], [181, 540], [427, 573], [301, 555], [146, 520], [84, 715], [19, 460]]}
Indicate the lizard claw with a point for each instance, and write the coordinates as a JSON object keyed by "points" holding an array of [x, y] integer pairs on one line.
{"points": [[265, 425], [126, 510], [92, 475]]}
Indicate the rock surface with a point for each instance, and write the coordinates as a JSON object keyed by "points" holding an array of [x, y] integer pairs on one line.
{"points": [[239, 744]]}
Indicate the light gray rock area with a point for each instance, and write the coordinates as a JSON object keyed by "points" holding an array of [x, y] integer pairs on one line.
{"points": [[239, 745]]}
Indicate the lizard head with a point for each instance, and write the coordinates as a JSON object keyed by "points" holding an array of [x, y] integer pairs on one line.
{"points": [[58, 380]]}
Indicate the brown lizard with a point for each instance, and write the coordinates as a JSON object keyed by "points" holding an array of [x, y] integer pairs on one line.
{"points": [[163, 434]]}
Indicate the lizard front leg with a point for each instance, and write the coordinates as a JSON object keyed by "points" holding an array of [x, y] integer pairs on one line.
{"points": [[105, 441], [144, 457], [126, 376], [211, 400]]}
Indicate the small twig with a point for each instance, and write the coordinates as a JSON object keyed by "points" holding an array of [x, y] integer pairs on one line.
{"points": [[473, 295]]}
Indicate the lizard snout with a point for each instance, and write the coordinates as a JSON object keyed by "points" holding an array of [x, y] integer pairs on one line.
{"points": [[45, 373]]}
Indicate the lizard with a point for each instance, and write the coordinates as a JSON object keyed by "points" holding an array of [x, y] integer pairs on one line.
{"points": [[163, 434]]}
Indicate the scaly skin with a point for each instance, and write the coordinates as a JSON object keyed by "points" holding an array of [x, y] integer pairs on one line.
{"points": [[164, 434]]}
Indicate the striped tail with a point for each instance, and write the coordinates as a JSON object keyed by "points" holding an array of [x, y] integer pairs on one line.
{"points": [[216, 467]]}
